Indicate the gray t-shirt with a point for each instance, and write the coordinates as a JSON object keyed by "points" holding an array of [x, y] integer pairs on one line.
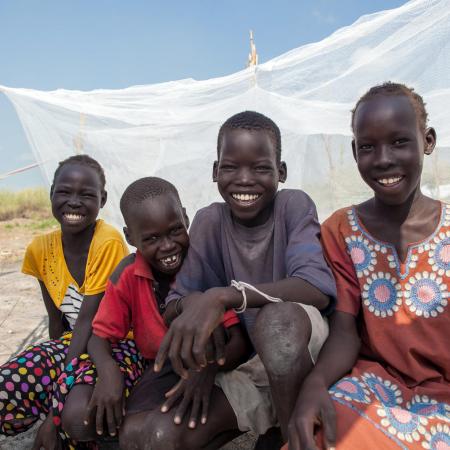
{"points": [[286, 245]]}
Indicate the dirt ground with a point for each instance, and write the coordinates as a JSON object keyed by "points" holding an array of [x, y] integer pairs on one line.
{"points": [[23, 319]]}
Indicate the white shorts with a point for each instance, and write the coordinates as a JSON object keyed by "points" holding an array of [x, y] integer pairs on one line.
{"points": [[247, 387]]}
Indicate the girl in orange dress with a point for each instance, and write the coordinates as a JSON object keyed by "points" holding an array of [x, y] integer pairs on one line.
{"points": [[382, 378]]}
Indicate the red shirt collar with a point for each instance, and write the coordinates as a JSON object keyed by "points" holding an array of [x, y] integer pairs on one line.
{"points": [[141, 267]]}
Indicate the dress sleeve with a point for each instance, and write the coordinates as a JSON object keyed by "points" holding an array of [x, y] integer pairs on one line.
{"points": [[348, 289], [304, 254], [102, 265], [113, 318], [32, 260]]}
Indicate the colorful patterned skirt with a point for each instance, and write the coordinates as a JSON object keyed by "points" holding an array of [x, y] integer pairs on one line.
{"points": [[29, 382]]}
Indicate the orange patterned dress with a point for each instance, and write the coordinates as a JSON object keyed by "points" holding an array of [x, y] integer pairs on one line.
{"points": [[398, 393]]}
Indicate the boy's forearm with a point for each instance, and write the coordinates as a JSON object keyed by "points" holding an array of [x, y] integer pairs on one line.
{"points": [[100, 352], [291, 289], [237, 350]]}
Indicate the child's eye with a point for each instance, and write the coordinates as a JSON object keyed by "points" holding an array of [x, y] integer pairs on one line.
{"points": [[227, 167], [400, 141], [365, 147], [263, 169], [150, 239], [176, 230]]}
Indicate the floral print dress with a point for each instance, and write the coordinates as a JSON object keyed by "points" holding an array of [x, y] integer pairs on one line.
{"points": [[398, 393]]}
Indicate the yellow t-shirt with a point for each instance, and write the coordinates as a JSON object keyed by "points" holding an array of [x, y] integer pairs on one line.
{"points": [[44, 259]]}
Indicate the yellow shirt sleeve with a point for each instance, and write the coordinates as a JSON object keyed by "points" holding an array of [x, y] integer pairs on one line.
{"points": [[32, 262], [103, 264]]}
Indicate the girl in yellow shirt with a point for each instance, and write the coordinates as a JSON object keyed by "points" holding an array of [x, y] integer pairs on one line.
{"points": [[72, 266]]}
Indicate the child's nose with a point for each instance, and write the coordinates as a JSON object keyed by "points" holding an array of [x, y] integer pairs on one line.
{"points": [[384, 156], [245, 176], [74, 201], [167, 244]]}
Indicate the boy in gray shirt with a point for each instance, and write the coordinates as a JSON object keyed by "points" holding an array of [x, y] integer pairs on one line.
{"points": [[259, 254]]}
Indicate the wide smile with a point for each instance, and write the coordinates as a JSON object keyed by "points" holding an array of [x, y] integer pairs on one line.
{"points": [[245, 200], [390, 181], [73, 218], [171, 262]]}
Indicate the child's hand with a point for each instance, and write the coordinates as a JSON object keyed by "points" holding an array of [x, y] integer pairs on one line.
{"points": [[314, 408], [186, 341], [195, 391], [107, 402], [47, 436]]}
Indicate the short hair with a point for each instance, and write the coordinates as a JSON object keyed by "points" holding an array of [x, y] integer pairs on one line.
{"points": [[82, 160], [143, 189], [389, 89], [252, 121]]}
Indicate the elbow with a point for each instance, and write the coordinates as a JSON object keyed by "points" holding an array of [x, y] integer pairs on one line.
{"points": [[322, 302]]}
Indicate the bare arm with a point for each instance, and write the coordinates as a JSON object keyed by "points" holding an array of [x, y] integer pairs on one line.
{"points": [[291, 289], [83, 326], [203, 312], [314, 405], [107, 401], [55, 323]]}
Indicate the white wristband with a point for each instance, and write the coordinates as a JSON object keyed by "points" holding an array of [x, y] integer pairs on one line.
{"points": [[241, 286]]}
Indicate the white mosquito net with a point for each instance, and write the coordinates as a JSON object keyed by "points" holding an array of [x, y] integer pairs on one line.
{"points": [[170, 129]]}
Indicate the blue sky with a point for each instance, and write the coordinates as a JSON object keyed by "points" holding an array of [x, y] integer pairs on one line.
{"points": [[88, 44]]}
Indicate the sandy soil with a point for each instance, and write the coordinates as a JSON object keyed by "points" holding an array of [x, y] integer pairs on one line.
{"points": [[23, 319]]}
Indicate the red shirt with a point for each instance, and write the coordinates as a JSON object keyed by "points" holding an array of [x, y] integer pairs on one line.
{"points": [[130, 303]]}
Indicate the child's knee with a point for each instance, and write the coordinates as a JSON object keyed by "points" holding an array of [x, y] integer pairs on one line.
{"points": [[73, 415], [153, 431], [281, 335]]}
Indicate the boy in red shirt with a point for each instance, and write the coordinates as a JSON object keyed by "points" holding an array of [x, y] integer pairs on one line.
{"points": [[156, 225]]}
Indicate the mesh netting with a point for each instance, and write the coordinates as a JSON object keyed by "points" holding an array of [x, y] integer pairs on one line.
{"points": [[170, 129]]}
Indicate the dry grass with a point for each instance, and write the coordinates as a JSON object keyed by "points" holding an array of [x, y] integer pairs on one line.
{"points": [[31, 203]]}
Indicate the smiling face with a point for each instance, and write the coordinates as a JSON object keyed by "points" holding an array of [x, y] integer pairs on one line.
{"points": [[389, 146], [247, 174], [158, 229], [77, 195]]}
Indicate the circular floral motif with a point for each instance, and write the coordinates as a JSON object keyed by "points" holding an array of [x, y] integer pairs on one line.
{"points": [[439, 254], [438, 438], [428, 407], [382, 294], [387, 393], [362, 255], [426, 294], [401, 423], [351, 389]]}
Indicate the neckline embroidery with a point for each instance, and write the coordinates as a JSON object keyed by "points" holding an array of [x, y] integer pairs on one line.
{"points": [[383, 247]]}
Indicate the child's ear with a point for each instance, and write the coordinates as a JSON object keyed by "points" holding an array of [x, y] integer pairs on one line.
{"points": [[354, 150], [186, 218], [52, 188], [128, 237], [104, 197], [282, 170], [430, 140], [215, 169]]}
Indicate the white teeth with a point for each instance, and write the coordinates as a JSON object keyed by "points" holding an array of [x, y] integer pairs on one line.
{"points": [[170, 260], [245, 197], [389, 181], [73, 217]]}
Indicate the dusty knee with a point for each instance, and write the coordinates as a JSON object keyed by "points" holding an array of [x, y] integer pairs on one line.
{"points": [[163, 434], [281, 335], [74, 412], [73, 424]]}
